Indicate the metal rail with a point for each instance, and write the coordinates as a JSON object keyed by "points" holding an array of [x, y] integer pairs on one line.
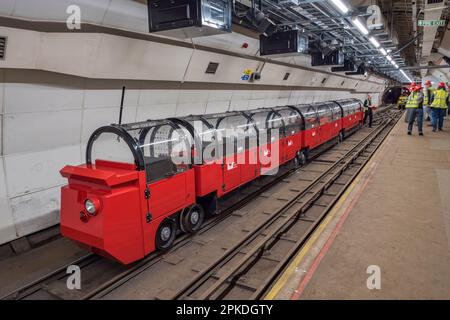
{"points": [[277, 225], [139, 267]]}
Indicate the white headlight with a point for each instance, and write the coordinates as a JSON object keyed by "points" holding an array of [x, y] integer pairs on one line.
{"points": [[90, 207]]}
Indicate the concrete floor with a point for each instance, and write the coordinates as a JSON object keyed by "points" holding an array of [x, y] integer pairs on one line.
{"points": [[396, 216]]}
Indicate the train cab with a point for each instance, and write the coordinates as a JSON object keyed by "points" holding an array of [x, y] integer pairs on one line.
{"points": [[120, 203]]}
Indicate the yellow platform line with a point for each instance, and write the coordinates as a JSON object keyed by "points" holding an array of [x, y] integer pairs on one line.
{"points": [[281, 282]]}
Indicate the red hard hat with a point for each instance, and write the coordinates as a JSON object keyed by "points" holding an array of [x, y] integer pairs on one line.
{"points": [[441, 84], [428, 82]]}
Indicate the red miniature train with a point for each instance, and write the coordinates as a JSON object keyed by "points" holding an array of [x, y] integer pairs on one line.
{"points": [[144, 182]]}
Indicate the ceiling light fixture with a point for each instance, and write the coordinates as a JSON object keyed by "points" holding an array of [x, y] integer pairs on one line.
{"points": [[374, 42], [341, 6], [360, 26]]}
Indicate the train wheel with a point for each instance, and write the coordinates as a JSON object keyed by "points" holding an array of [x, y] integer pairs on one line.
{"points": [[296, 161], [165, 235], [192, 219], [303, 157]]}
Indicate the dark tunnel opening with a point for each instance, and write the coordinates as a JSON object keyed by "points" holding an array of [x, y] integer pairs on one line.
{"points": [[392, 94]]}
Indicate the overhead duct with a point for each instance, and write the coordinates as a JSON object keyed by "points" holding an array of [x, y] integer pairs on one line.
{"points": [[264, 25], [360, 71], [335, 58], [284, 44], [348, 66], [189, 18]]}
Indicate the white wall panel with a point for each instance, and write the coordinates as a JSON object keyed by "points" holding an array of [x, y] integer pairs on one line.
{"points": [[187, 96], [77, 54], [36, 211], [158, 97], [259, 94], [7, 7], [31, 172], [103, 98], [22, 48], [125, 58], [219, 41], [26, 132], [127, 15], [242, 94], [220, 95], [7, 229], [160, 111], [95, 118], [39, 95], [239, 105], [92, 11], [232, 42], [274, 74], [2, 89], [217, 106], [256, 104], [230, 68], [184, 109]]}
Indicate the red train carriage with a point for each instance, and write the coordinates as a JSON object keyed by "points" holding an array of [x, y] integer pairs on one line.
{"points": [[118, 203], [144, 182], [353, 114]]}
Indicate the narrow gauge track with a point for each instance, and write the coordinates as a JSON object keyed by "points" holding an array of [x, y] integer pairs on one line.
{"points": [[145, 282], [40, 288], [104, 275], [248, 269]]}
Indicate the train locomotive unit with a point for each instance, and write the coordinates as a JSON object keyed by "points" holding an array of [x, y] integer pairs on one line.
{"points": [[144, 182]]}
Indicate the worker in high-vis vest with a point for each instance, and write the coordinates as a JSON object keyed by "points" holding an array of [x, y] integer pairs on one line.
{"points": [[427, 99], [414, 109], [439, 107]]}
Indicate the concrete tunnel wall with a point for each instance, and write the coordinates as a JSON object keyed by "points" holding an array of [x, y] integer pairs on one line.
{"points": [[53, 95]]}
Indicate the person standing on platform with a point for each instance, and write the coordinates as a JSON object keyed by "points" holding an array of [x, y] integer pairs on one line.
{"points": [[427, 95], [414, 109], [448, 104], [368, 112], [439, 107]]}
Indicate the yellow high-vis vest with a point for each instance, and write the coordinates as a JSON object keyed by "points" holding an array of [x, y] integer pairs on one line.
{"points": [[440, 99], [413, 101], [426, 100]]}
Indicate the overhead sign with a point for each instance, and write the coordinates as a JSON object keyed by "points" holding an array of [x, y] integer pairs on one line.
{"points": [[431, 23]]}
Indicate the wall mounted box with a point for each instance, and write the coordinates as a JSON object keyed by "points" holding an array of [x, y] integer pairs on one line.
{"points": [[284, 44], [189, 18], [335, 58]]}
